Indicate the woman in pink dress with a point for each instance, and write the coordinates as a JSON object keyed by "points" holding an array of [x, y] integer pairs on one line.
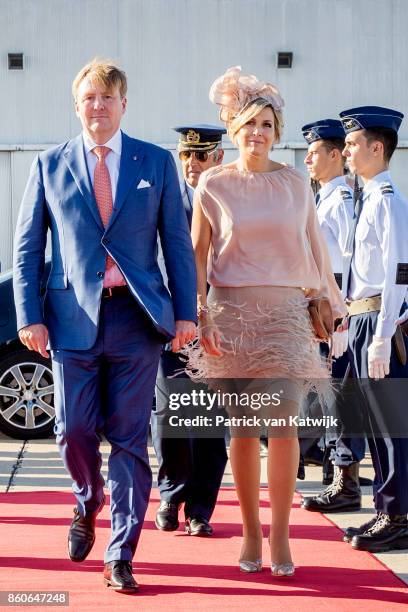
{"points": [[257, 243]]}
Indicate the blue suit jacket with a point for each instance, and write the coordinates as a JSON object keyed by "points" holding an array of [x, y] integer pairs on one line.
{"points": [[59, 196]]}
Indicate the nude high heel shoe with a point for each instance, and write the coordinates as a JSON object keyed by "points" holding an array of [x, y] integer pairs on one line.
{"points": [[250, 567], [282, 569]]}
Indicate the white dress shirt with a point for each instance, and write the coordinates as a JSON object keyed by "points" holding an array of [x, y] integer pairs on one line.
{"points": [[335, 212], [381, 243], [113, 276]]}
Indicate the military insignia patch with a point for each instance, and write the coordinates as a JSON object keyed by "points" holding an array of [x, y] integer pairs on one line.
{"points": [[402, 274], [193, 137], [386, 189], [345, 194]]}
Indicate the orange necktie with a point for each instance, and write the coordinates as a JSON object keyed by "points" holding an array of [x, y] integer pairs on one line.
{"points": [[103, 190]]}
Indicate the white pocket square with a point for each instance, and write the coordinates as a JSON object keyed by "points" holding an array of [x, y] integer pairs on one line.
{"points": [[143, 184]]}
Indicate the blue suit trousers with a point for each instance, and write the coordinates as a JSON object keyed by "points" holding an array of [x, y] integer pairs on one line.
{"points": [[109, 389]]}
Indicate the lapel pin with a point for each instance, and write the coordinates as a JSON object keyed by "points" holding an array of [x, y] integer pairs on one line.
{"points": [[134, 158]]}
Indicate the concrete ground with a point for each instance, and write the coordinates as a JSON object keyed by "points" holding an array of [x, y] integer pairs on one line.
{"points": [[35, 465]]}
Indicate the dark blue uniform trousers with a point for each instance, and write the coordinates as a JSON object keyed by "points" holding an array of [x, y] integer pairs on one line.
{"points": [[109, 388], [389, 454], [190, 469], [345, 450]]}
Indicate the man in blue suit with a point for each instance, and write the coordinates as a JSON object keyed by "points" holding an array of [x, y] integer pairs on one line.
{"points": [[190, 468], [104, 197]]}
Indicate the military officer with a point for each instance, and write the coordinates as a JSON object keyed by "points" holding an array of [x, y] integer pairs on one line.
{"points": [[374, 283], [325, 164], [190, 469]]}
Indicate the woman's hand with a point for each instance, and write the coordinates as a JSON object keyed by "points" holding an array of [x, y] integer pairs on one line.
{"points": [[210, 337]]}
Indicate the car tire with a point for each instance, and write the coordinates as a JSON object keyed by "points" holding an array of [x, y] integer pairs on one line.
{"points": [[26, 395]]}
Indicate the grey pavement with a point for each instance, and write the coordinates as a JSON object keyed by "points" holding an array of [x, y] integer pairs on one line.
{"points": [[35, 465]]}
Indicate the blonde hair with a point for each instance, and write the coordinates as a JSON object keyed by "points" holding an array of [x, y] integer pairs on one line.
{"points": [[103, 72], [251, 110]]}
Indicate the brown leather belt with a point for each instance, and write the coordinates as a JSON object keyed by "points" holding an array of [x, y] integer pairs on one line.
{"points": [[370, 304], [109, 292]]}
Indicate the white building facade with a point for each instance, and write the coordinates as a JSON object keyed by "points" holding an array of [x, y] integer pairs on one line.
{"points": [[345, 53]]}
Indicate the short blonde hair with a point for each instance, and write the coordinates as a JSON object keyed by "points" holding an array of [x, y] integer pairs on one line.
{"points": [[103, 72], [249, 112]]}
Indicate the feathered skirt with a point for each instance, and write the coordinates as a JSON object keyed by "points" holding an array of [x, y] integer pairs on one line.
{"points": [[266, 333], [267, 337]]}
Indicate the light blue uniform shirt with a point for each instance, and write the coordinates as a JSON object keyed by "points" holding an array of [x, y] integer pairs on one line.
{"points": [[335, 212], [381, 243]]}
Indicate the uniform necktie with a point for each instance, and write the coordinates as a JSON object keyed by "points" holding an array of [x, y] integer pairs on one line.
{"points": [[317, 199], [349, 251], [103, 190]]}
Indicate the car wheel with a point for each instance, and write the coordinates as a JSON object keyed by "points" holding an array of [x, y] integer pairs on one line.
{"points": [[26, 395]]}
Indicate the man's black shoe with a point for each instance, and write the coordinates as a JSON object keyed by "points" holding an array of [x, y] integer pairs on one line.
{"points": [[81, 535], [350, 532], [343, 495], [198, 526], [387, 533], [118, 576], [167, 516]]}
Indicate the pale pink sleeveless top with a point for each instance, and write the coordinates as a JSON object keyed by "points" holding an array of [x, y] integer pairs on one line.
{"points": [[265, 231]]}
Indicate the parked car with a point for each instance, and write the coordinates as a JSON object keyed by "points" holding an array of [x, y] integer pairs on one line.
{"points": [[26, 381]]}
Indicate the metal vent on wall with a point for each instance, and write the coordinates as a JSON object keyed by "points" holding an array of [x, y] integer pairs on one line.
{"points": [[15, 61], [285, 59]]}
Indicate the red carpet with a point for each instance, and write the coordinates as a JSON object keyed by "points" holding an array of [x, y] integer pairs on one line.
{"points": [[178, 572]]}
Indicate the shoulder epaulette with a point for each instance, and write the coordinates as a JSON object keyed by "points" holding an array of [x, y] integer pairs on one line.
{"points": [[345, 194], [386, 188]]}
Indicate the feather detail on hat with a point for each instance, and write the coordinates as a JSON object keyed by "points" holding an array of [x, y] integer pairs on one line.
{"points": [[233, 91]]}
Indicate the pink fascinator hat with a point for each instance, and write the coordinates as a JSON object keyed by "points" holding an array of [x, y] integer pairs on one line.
{"points": [[233, 91]]}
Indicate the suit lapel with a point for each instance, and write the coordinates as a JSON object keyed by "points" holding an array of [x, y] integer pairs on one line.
{"points": [[76, 162], [129, 172]]}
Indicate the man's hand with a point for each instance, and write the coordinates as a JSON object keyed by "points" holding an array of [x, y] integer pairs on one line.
{"points": [[35, 338], [339, 343], [379, 354], [185, 331]]}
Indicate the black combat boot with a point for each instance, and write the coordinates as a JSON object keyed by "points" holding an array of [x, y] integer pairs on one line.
{"points": [[343, 495], [350, 532], [387, 533]]}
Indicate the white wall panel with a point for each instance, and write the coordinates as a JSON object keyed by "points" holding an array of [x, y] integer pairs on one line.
{"points": [[20, 168], [5, 212], [346, 53]]}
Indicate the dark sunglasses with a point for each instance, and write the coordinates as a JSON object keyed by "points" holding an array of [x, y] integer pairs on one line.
{"points": [[201, 156]]}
